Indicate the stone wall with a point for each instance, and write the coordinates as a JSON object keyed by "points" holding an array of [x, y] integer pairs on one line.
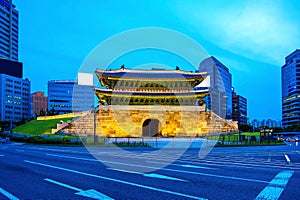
{"points": [[127, 121]]}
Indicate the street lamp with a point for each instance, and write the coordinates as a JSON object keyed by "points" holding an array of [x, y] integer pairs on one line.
{"points": [[95, 122]]}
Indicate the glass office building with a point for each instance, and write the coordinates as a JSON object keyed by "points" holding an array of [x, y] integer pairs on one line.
{"points": [[15, 98], [220, 99], [67, 96], [290, 79], [239, 108], [9, 25]]}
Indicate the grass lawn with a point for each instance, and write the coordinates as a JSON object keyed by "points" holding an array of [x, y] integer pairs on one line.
{"points": [[234, 140], [234, 137], [37, 127], [248, 134]]}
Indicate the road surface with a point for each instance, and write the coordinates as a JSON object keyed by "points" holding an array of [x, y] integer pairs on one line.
{"points": [[51, 172]]}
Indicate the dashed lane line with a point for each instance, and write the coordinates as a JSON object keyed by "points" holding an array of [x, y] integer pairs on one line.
{"points": [[8, 195], [186, 166], [166, 169], [113, 180], [152, 175]]}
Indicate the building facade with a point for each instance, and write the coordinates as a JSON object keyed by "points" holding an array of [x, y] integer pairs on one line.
{"points": [[219, 100], [271, 123], [9, 30], [15, 98], [148, 103], [239, 108], [67, 96], [290, 79], [39, 103]]}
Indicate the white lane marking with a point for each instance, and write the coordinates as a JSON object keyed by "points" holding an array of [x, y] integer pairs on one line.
{"points": [[166, 169], [62, 184], [241, 164], [72, 157], [94, 194], [19, 150], [196, 166], [152, 175], [58, 150], [298, 152], [276, 186], [269, 158], [126, 171], [114, 180], [288, 159], [186, 166], [208, 161], [1, 155], [8, 195]]}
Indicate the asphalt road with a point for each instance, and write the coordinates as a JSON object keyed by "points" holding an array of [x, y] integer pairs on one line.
{"points": [[50, 172]]}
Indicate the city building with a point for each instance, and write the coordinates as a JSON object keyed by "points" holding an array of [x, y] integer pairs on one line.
{"points": [[148, 103], [255, 123], [271, 123], [290, 79], [239, 108], [220, 98], [14, 92], [9, 25], [11, 68], [39, 103], [66, 96]]}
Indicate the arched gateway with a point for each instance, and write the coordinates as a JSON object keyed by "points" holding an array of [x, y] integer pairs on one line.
{"points": [[151, 128]]}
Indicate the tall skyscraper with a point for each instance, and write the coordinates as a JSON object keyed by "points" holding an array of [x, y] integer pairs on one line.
{"points": [[290, 80], [239, 108], [220, 99], [9, 25]]}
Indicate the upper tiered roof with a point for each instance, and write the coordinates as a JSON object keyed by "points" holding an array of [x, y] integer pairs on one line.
{"points": [[107, 77]]}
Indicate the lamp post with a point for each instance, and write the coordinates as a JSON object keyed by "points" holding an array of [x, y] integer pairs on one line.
{"points": [[95, 123]]}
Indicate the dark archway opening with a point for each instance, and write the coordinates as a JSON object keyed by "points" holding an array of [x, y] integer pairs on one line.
{"points": [[151, 128]]}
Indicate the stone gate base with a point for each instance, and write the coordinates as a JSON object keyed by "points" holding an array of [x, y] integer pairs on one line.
{"points": [[130, 121]]}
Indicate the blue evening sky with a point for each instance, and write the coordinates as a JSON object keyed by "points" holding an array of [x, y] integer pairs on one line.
{"points": [[251, 38]]}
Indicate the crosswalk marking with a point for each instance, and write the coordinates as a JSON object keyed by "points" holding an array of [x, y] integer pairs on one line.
{"points": [[288, 159], [276, 186]]}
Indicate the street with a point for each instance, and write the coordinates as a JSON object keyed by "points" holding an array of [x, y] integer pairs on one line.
{"points": [[56, 172]]}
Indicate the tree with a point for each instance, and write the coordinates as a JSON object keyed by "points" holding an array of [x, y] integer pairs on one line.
{"points": [[293, 128], [4, 125], [42, 112], [277, 129], [246, 128], [52, 112]]}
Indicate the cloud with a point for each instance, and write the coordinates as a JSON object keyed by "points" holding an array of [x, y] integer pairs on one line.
{"points": [[262, 31], [266, 31]]}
